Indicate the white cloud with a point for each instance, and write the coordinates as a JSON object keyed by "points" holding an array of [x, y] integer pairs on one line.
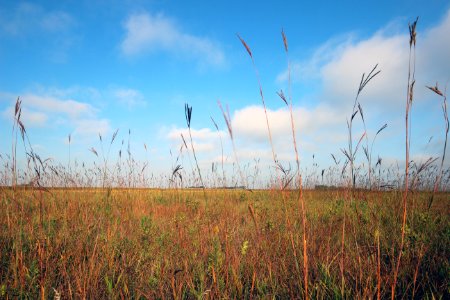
{"points": [[202, 134], [35, 118], [92, 127], [307, 122], [316, 130], [336, 68], [87, 93], [129, 97], [205, 140], [341, 77], [148, 33], [29, 17], [434, 51], [29, 117], [310, 69], [339, 63], [56, 21], [50, 104], [256, 130], [204, 147], [56, 108]]}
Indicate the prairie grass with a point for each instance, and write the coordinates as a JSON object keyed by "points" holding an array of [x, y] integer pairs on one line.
{"points": [[151, 244]]}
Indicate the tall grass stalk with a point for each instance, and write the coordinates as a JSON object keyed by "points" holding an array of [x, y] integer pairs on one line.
{"points": [[264, 107], [227, 118], [409, 100], [69, 167], [436, 90], [176, 169], [369, 153], [188, 114], [38, 167], [17, 125], [377, 236], [187, 152], [221, 147], [350, 153], [278, 165], [297, 160], [106, 157]]}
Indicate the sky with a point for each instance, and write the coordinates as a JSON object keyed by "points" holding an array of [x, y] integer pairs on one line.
{"points": [[89, 68]]}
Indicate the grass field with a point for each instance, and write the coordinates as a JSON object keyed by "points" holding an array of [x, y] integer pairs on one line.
{"points": [[94, 243]]}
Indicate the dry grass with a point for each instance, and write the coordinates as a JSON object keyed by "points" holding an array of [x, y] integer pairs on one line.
{"points": [[155, 244]]}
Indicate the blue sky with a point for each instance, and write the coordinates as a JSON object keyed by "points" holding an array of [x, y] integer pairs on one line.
{"points": [[90, 67]]}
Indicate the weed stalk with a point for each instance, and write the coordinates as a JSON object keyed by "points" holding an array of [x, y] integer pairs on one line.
{"points": [[409, 100], [297, 160]]}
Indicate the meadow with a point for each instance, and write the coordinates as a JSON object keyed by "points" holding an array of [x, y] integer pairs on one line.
{"points": [[101, 232], [159, 244]]}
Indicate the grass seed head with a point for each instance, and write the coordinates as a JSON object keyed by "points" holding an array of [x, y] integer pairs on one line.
{"points": [[188, 114], [282, 96], [94, 151], [246, 46], [284, 41], [436, 89], [412, 33]]}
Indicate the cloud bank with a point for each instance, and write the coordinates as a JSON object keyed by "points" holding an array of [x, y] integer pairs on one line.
{"points": [[336, 67], [55, 108], [146, 33]]}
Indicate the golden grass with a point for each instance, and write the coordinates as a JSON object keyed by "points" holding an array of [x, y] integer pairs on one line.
{"points": [[165, 243]]}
